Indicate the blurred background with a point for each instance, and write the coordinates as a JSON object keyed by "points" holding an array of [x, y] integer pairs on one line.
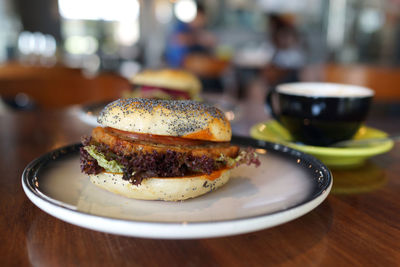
{"points": [[92, 48]]}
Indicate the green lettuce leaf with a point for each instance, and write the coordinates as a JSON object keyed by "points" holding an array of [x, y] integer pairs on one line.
{"points": [[109, 166], [247, 156]]}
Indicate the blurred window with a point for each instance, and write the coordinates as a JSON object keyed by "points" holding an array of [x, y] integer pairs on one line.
{"points": [[116, 10], [185, 10]]}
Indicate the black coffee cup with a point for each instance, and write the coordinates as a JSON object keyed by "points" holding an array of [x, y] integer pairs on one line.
{"points": [[320, 114]]}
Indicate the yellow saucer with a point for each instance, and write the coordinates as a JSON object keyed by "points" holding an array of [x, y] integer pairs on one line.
{"points": [[334, 157]]}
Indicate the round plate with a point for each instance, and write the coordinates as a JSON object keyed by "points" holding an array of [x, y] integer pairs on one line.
{"points": [[286, 185], [334, 157]]}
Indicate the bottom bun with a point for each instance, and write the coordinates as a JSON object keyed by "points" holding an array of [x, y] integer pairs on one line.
{"points": [[167, 189]]}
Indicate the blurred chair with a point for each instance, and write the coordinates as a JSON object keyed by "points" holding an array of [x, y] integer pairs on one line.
{"points": [[209, 69], [384, 81], [204, 65], [56, 87]]}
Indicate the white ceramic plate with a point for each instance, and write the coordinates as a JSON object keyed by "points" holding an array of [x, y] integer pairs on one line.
{"points": [[288, 184]]}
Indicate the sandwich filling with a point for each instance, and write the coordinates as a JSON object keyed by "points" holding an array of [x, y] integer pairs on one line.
{"points": [[139, 156]]}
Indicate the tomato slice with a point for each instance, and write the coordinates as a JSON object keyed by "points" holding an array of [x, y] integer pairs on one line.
{"points": [[160, 139]]}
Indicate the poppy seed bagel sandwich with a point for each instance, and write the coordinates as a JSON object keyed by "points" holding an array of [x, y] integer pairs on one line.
{"points": [[166, 84], [161, 149]]}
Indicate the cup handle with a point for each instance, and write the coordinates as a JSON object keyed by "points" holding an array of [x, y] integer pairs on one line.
{"points": [[269, 105]]}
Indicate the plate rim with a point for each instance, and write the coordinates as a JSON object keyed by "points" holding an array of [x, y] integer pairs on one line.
{"points": [[283, 215]]}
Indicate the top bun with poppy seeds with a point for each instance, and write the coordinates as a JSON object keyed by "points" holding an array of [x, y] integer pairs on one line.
{"points": [[179, 118]]}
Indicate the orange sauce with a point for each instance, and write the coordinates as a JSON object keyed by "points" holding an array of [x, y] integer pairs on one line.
{"points": [[214, 175], [200, 135]]}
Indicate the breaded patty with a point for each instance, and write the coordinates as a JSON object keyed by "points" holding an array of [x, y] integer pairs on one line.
{"points": [[130, 146]]}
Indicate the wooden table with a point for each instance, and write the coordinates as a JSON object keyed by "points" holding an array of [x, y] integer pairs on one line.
{"points": [[358, 224]]}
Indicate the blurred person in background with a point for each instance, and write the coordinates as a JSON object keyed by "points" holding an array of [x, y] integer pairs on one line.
{"points": [[289, 54], [189, 38]]}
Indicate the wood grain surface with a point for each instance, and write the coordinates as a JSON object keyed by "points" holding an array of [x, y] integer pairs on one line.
{"points": [[58, 86], [357, 225]]}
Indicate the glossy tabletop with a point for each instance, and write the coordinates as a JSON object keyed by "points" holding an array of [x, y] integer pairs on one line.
{"points": [[358, 224]]}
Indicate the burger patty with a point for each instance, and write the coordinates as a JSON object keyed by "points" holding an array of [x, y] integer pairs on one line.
{"points": [[124, 146]]}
